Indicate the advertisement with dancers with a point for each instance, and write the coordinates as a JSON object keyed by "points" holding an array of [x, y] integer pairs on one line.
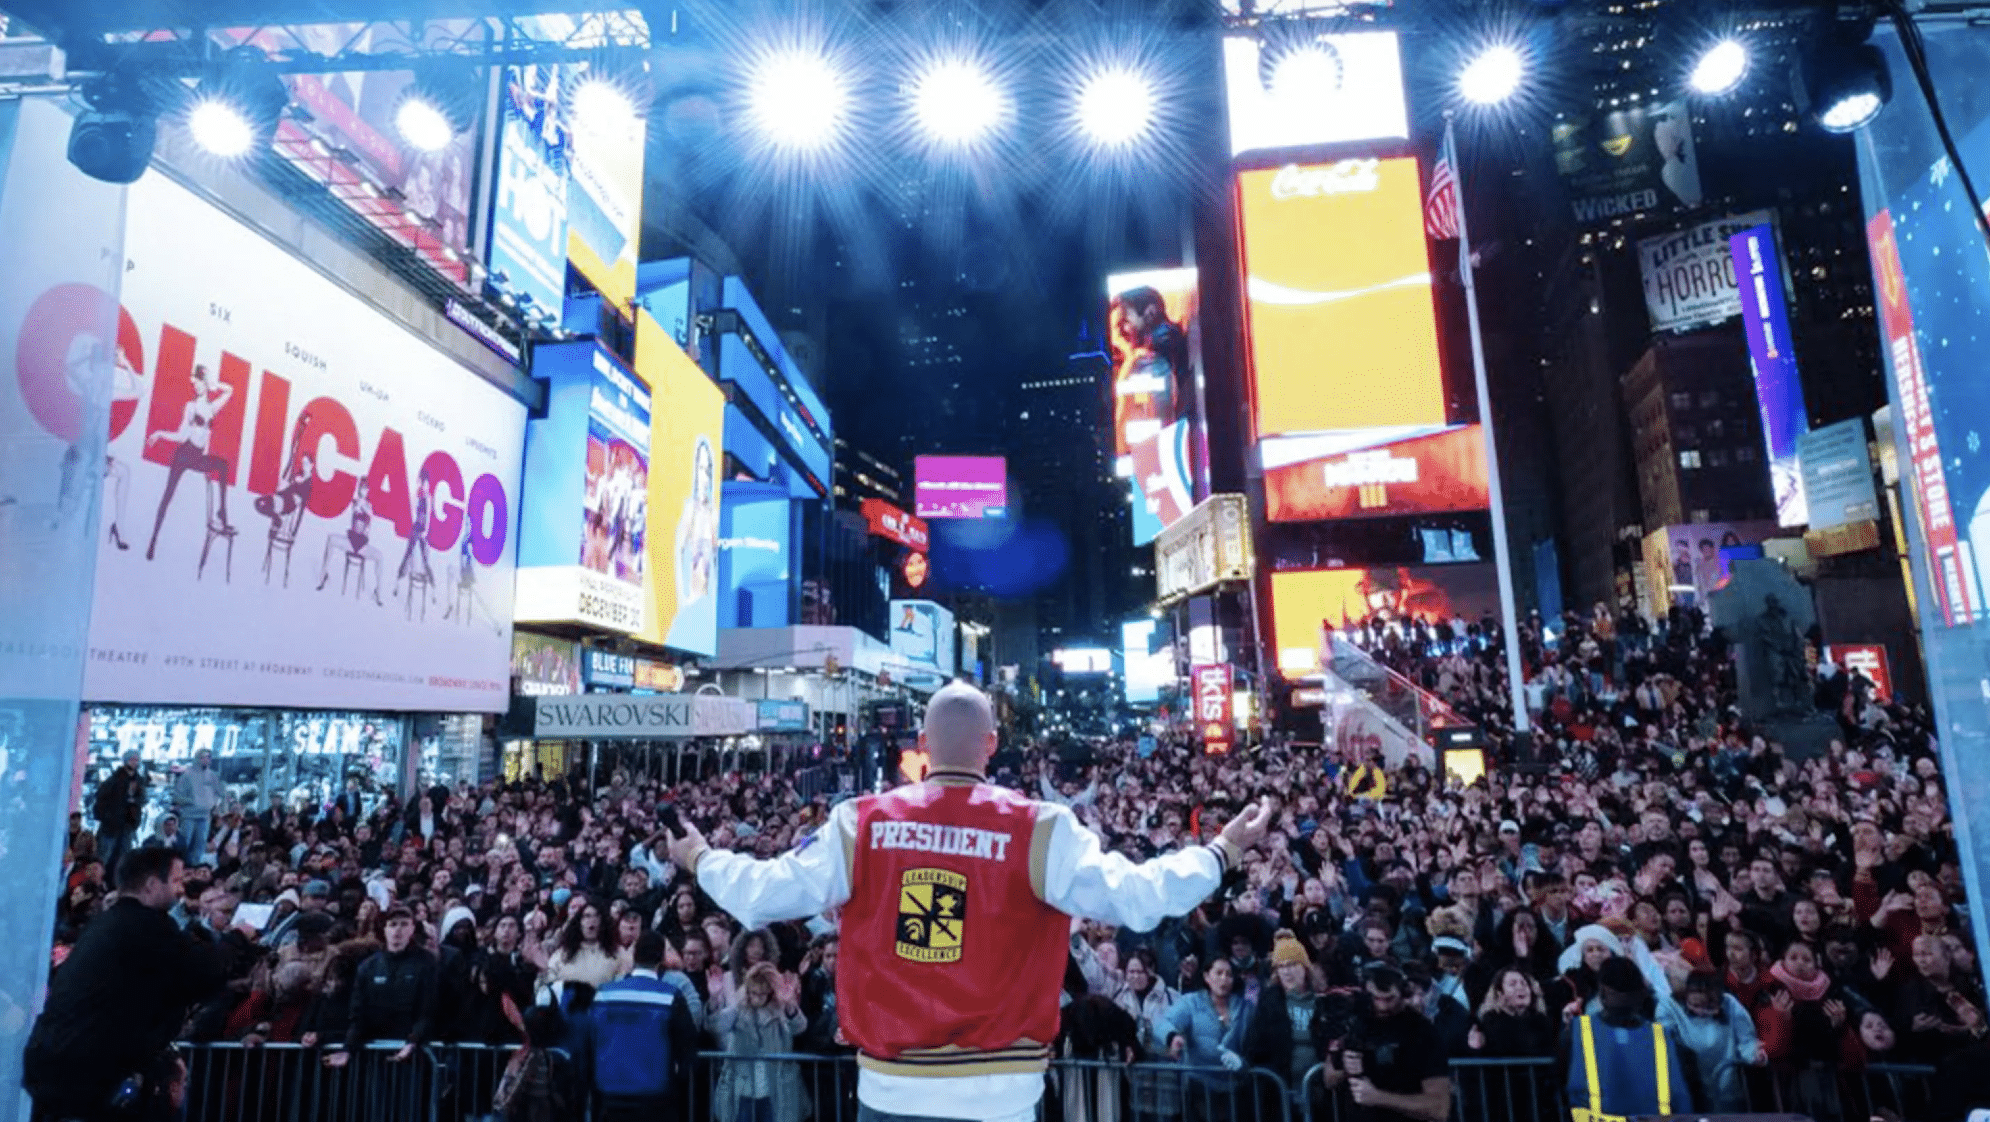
{"points": [[306, 503]]}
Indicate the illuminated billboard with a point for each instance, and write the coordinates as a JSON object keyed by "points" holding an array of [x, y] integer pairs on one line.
{"points": [[686, 453], [528, 236], [1154, 340], [1082, 660], [1765, 315], [756, 570], [1342, 328], [1305, 602], [1147, 669], [302, 531], [605, 194], [1374, 473], [1290, 86], [960, 487], [581, 550], [922, 633]]}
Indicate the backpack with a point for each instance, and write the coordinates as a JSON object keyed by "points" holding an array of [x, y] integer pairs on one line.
{"points": [[537, 1087]]}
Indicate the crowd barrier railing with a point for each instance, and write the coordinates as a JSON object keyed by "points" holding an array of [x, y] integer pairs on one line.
{"points": [[458, 1083]]}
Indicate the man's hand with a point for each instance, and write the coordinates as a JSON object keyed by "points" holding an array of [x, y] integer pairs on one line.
{"points": [[1246, 830], [337, 1059], [404, 1055], [1363, 1091], [685, 847]]}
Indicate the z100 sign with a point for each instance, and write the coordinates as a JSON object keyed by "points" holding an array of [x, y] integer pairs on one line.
{"points": [[304, 503]]}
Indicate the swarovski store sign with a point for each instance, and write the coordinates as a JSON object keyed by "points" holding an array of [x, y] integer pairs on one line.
{"points": [[611, 717]]}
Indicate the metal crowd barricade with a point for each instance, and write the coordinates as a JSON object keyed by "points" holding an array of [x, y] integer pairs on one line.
{"points": [[1107, 1091], [1904, 1091], [796, 1085], [467, 1078], [1482, 1090], [227, 1082]]}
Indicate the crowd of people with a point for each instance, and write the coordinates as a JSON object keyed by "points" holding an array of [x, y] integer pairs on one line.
{"points": [[1785, 920]]}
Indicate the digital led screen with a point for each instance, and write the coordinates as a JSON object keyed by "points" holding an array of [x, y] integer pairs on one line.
{"points": [[1290, 86], [923, 633], [1373, 473], [1147, 669], [1083, 660], [1343, 331], [755, 559], [1303, 603], [686, 455], [960, 487], [1778, 386], [1154, 342]]}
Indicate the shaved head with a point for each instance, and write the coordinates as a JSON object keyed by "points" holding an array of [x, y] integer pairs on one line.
{"points": [[960, 728]]}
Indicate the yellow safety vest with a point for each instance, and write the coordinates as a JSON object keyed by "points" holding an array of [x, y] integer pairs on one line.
{"points": [[1663, 1069]]}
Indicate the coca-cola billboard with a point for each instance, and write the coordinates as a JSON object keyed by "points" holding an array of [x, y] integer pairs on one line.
{"points": [[304, 504], [1344, 177]]}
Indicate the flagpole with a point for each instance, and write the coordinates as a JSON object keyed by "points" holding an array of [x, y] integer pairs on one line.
{"points": [[1502, 555]]}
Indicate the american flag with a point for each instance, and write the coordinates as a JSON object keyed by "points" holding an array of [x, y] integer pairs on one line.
{"points": [[1440, 205]]}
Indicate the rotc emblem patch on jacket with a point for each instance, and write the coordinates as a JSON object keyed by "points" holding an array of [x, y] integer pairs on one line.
{"points": [[932, 915]]}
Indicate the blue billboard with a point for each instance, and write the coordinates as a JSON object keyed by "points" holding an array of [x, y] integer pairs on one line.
{"points": [[1838, 475], [1765, 314], [756, 566], [528, 243]]}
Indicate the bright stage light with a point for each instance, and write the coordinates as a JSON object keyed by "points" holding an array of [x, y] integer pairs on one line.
{"points": [[957, 102], [1116, 107], [1493, 76], [1720, 68], [423, 124], [602, 104], [1307, 74], [797, 99], [221, 128]]}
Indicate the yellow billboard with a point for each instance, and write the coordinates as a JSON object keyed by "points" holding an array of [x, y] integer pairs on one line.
{"points": [[605, 195], [687, 427]]}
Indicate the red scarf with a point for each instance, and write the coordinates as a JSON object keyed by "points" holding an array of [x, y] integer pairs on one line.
{"points": [[1813, 990]]}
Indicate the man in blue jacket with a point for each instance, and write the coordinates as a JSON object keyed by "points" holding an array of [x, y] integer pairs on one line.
{"points": [[639, 1040]]}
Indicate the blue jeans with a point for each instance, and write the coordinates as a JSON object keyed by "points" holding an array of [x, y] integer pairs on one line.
{"points": [[867, 1114], [756, 1110], [194, 827]]}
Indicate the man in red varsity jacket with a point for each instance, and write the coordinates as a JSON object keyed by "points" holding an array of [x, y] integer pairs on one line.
{"points": [[956, 899]]}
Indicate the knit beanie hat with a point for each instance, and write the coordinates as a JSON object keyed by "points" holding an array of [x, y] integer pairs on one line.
{"points": [[1286, 948]]}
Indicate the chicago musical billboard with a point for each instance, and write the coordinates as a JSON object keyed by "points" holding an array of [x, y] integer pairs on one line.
{"points": [[283, 524]]}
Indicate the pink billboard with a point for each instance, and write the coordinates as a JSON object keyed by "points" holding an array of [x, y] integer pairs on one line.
{"points": [[961, 487]]}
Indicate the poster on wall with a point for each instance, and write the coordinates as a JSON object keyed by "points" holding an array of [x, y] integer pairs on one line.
{"points": [[686, 453], [1632, 160], [285, 526], [1155, 343], [1303, 603], [1689, 273], [528, 243]]}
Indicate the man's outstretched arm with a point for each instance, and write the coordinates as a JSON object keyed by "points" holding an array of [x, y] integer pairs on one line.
{"points": [[1074, 873], [801, 883]]}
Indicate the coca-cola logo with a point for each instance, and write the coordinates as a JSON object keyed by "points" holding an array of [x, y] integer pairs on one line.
{"points": [[1347, 177]]}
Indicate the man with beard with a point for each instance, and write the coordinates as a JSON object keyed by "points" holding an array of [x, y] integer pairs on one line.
{"points": [[1150, 406]]}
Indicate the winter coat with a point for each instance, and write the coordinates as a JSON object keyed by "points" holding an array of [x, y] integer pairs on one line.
{"points": [[1721, 1046], [758, 1032]]}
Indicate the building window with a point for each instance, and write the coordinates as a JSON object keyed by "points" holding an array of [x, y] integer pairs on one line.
{"points": [[1682, 400], [1745, 454], [1717, 458], [1689, 458]]}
